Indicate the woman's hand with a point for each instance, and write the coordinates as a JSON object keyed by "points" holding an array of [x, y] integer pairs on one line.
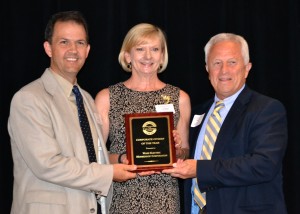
{"points": [[181, 153]]}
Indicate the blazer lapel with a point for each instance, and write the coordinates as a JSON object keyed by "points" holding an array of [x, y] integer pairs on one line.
{"points": [[194, 131], [66, 122], [231, 122], [101, 145]]}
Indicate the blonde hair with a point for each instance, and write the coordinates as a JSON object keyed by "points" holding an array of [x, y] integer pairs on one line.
{"points": [[136, 35]]}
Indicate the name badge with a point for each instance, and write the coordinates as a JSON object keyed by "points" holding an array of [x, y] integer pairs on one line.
{"points": [[197, 120], [165, 108]]}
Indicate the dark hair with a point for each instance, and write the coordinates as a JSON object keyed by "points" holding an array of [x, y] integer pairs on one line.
{"points": [[65, 16]]}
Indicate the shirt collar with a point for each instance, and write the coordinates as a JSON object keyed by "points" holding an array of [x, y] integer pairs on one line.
{"points": [[65, 84], [228, 102]]}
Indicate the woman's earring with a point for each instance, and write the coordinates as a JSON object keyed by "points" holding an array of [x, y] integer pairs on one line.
{"points": [[160, 67], [129, 65]]}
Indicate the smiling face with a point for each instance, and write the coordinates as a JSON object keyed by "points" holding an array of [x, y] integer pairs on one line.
{"points": [[146, 57], [68, 50], [226, 68]]}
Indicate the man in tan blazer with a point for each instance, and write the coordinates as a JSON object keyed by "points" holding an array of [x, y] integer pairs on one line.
{"points": [[52, 173]]}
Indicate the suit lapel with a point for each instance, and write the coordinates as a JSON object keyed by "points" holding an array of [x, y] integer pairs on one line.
{"points": [[101, 145], [231, 122], [67, 123], [194, 131]]}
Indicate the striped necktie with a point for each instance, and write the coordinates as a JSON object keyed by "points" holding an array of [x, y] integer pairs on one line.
{"points": [[210, 137]]}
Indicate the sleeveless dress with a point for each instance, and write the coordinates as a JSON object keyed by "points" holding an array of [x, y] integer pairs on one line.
{"points": [[155, 194]]}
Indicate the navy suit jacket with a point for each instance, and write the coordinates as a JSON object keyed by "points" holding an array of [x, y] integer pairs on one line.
{"points": [[245, 172]]}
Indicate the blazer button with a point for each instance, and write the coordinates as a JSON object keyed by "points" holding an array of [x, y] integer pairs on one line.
{"points": [[92, 210]]}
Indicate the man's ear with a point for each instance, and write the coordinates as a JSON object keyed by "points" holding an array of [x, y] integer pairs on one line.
{"points": [[248, 68], [47, 48], [206, 68]]}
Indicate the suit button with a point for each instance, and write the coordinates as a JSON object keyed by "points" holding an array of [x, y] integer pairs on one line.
{"points": [[92, 210]]}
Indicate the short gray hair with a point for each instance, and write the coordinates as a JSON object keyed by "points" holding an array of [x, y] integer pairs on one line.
{"points": [[228, 37]]}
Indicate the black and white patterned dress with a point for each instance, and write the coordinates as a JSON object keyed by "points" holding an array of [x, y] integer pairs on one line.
{"points": [[153, 194]]}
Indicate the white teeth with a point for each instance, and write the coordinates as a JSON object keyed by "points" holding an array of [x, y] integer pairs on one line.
{"points": [[145, 62], [72, 59]]}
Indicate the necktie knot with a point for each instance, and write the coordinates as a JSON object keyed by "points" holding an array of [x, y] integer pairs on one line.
{"points": [[76, 91], [218, 106], [218, 103]]}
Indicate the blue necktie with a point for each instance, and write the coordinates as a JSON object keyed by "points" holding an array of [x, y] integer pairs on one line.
{"points": [[85, 126], [86, 131]]}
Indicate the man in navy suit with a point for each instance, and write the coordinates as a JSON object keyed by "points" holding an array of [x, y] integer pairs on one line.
{"points": [[244, 174]]}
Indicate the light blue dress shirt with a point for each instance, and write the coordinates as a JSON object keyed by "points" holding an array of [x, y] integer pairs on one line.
{"points": [[228, 102]]}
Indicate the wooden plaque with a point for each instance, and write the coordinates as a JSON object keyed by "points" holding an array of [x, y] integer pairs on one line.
{"points": [[149, 140]]}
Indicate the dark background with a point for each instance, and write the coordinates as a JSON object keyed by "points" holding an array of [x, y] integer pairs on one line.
{"points": [[271, 28]]}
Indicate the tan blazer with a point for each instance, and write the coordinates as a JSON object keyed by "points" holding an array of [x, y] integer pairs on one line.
{"points": [[51, 169]]}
